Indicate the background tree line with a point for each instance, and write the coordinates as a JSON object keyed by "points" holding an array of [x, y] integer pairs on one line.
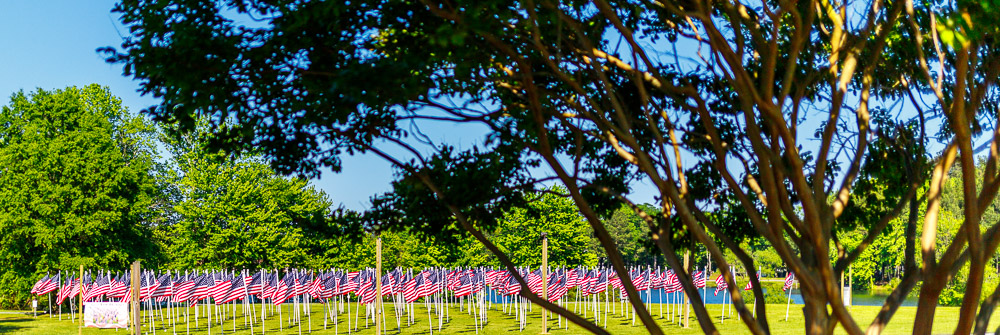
{"points": [[87, 182]]}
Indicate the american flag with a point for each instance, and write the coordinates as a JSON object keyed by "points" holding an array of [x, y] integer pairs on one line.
{"points": [[464, 286], [99, 287], [184, 288], [220, 288], [750, 283], [429, 285], [237, 290], [557, 286], [720, 284], [126, 288], [512, 286], [119, 286], [66, 290], [270, 285], [39, 283], [789, 281], [50, 285], [351, 284], [673, 284], [146, 286], [247, 279], [410, 289], [535, 281], [366, 287], [82, 289], [283, 290], [399, 278], [655, 279], [256, 286], [127, 295], [343, 284], [388, 284], [202, 284], [329, 286], [301, 286], [601, 283], [699, 279], [296, 284], [586, 282], [164, 287], [501, 283], [641, 280], [316, 285], [573, 277], [451, 279], [615, 281], [493, 277], [478, 280]]}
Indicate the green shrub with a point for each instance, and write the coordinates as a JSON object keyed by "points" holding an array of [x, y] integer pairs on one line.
{"points": [[773, 293]]}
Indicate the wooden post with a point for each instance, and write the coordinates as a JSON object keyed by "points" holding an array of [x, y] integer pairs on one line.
{"points": [[134, 302], [378, 286], [545, 280], [80, 329]]}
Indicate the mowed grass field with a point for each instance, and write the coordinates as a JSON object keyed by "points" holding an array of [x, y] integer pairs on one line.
{"points": [[17, 322]]}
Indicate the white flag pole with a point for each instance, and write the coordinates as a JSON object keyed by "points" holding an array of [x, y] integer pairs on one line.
{"points": [[788, 305]]}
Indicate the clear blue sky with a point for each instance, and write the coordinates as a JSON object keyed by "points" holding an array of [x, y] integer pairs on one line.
{"points": [[51, 45]]}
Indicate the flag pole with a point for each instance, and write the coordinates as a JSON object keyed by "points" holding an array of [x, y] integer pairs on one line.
{"points": [[48, 297], [263, 307], [378, 285], [788, 305], [545, 280], [708, 274], [80, 329], [59, 282], [309, 314]]}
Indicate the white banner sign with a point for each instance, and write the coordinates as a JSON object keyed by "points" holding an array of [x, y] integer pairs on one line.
{"points": [[105, 314]]}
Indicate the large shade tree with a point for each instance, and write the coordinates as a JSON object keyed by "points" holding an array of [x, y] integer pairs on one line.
{"points": [[240, 214], [770, 110], [76, 186]]}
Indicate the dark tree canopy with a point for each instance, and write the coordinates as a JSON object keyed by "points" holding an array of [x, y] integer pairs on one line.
{"points": [[780, 121]]}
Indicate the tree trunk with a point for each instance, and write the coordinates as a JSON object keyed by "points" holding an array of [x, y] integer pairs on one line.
{"points": [[817, 318], [926, 306]]}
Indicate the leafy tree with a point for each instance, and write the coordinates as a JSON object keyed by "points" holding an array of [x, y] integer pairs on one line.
{"points": [[75, 186], [630, 234], [519, 235], [240, 214], [595, 96]]}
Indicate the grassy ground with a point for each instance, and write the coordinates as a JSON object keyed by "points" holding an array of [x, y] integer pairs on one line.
{"points": [[462, 323]]}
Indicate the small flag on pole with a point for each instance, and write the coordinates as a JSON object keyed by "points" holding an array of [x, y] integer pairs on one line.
{"points": [[720, 284], [789, 280], [750, 283]]}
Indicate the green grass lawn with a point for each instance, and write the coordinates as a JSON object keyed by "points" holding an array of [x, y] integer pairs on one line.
{"points": [[462, 323]]}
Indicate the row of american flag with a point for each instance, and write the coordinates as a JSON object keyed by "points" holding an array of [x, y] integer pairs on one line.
{"points": [[227, 286]]}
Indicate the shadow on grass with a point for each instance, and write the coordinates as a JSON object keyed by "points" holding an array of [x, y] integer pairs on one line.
{"points": [[7, 325]]}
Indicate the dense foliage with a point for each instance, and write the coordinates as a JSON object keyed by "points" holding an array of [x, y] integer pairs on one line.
{"points": [[77, 183]]}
